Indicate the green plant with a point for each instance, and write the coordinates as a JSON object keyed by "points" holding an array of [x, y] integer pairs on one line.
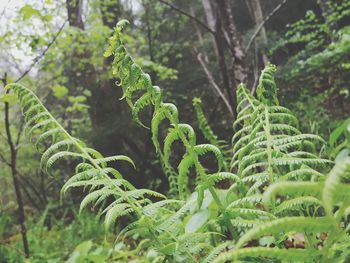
{"points": [[134, 80], [280, 195]]}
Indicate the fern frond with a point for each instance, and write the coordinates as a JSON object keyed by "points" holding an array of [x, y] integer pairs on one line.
{"points": [[106, 160], [151, 209], [176, 134], [248, 213], [267, 89], [115, 212], [123, 68], [296, 203], [292, 189], [168, 222], [246, 201], [297, 255], [92, 172], [298, 224], [202, 149], [215, 252], [332, 184], [204, 127]]}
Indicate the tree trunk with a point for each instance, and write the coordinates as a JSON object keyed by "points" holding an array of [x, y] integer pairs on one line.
{"points": [[74, 10], [259, 18], [13, 153], [234, 38], [215, 24]]}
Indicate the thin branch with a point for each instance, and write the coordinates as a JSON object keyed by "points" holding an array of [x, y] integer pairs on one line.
{"points": [[30, 198], [199, 22], [36, 59], [21, 214], [26, 182], [213, 83], [267, 18], [3, 159], [202, 24]]}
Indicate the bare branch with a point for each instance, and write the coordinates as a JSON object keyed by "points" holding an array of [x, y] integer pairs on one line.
{"points": [[202, 24], [36, 59], [213, 83], [267, 18], [3, 159]]}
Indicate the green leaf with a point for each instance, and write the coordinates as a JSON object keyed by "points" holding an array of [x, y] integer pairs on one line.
{"points": [[9, 98], [80, 252], [59, 91], [28, 11], [338, 132], [197, 221], [342, 155], [168, 249]]}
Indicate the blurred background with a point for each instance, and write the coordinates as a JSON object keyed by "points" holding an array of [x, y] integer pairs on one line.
{"points": [[197, 48]]}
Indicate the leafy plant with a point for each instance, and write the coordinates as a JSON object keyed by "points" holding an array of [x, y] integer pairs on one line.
{"points": [[134, 80], [280, 195]]}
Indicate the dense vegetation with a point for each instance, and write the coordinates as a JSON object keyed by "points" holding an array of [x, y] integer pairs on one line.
{"points": [[275, 190]]}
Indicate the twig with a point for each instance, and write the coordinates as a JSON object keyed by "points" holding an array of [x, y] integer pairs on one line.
{"points": [[36, 59], [199, 22], [202, 24], [3, 159], [213, 83], [274, 11]]}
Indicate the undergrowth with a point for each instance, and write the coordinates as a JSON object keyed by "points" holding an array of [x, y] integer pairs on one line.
{"points": [[274, 196]]}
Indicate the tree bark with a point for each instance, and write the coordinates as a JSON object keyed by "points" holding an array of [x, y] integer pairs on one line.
{"points": [[229, 26]]}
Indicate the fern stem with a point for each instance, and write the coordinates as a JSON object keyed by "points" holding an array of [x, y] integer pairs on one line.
{"points": [[269, 145], [200, 169], [223, 211]]}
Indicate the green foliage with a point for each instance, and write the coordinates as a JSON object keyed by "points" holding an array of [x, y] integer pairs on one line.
{"points": [[206, 130], [133, 80], [283, 173], [105, 183], [282, 189], [339, 141], [315, 72], [92, 171], [55, 243]]}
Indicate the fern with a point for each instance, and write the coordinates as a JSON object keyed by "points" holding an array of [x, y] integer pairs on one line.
{"points": [[207, 132], [124, 67], [330, 196], [268, 146], [270, 152], [280, 184], [92, 172]]}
